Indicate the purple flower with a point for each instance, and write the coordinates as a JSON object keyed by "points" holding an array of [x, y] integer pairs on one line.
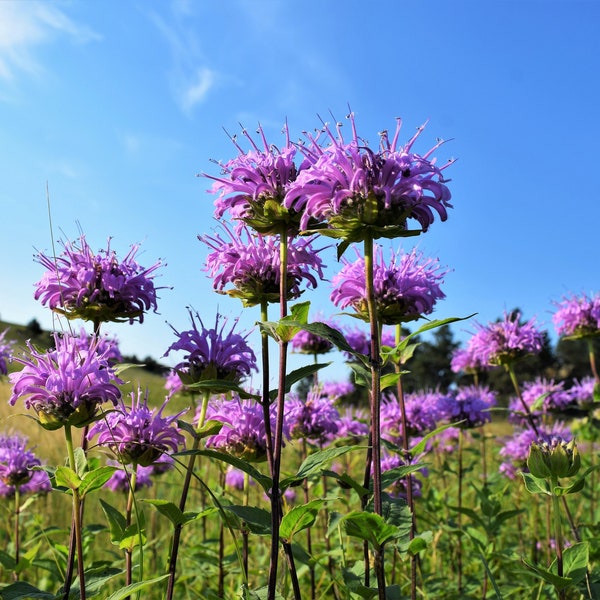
{"points": [[5, 352], [247, 266], [96, 287], [305, 342], [138, 434], [468, 407], [66, 385], [352, 424], [108, 347], [173, 383], [398, 488], [507, 340], [337, 390], [541, 396], [360, 341], [16, 468], [212, 354], [235, 478], [405, 290], [464, 359], [253, 185], [516, 449], [446, 441], [121, 478], [243, 432], [578, 316], [582, 392], [352, 187], [315, 419], [422, 414]]}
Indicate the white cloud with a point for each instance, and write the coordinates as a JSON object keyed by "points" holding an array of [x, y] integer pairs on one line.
{"points": [[190, 78], [24, 26], [197, 89]]}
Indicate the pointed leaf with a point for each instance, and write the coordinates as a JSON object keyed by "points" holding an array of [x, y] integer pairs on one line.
{"points": [[116, 521], [575, 561], [66, 477], [135, 587], [257, 519], [297, 375], [95, 479], [263, 480], [21, 590], [535, 485], [315, 462], [171, 511], [299, 518], [369, 527]]}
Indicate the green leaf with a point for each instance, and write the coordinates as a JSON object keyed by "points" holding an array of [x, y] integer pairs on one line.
{"points": [[392, 475], [257, 519], [81, 462], [243, 465], [7, 561], [369, 527], [422, 445], [221, 386], [95, 479], [297, 375], [347, 482], [132, 536], [21, 590], [171, 511], [316, 461], [535, 485], [135, 587], [575, 561], [299, 518], [560, 583], [116, 522], [389, 380], [66, 477]]}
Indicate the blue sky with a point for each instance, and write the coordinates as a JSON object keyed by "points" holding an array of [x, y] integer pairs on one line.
{"points": [[117, 106]]}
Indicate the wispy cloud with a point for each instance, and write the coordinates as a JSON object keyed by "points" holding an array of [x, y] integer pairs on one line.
{"points": [[25, 26], [191, 80]]}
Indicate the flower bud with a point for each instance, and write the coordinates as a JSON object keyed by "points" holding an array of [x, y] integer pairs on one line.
{"points": [[553, 459]]}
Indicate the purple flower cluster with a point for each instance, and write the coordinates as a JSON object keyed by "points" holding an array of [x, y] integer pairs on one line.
{"points": [[97, 287], [243, 432], [398, 488], [107, 346], [138, 434], [578, 316], [468, 407], [16, 468], [505, 341], [360, 340], [253, 185], [305, 342], [5, 352], [422, 414], [212, 354], [315, 419], [352, 424], [350, 186], [66, 385], [516, 449], [250, 264], [120, 480], [405, 290], [466, 359], [541, 396]]}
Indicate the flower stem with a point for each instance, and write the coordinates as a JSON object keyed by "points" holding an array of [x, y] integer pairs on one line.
{"points": [[515, 382], [558, 539], [77, 527], [265, 398], [182, 501], [17, 539], [276, 512], [407, 459], [592, 355], [375, 361], [128, 551]]}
